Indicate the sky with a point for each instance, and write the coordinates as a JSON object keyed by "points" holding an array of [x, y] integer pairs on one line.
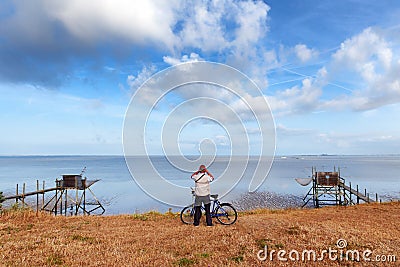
{"points": [[329, 71]]}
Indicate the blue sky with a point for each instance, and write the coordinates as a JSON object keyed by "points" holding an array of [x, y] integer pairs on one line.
{"points": [[328, 69]]}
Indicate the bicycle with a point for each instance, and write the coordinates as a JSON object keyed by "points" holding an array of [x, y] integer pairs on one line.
{"points": [[224, 212]]}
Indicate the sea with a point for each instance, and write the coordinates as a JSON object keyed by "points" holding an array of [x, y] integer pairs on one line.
{"points": [[119, 193]]}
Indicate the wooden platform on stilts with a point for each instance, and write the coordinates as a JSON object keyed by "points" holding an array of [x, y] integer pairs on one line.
{"points": [[330, 189], [69, 197]]}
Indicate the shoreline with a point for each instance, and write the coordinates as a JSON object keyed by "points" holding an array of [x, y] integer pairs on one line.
{"points": [[244, 202]]}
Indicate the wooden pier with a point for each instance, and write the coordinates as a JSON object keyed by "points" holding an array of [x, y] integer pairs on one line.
{"points": [[68, 197], [330, 189]]}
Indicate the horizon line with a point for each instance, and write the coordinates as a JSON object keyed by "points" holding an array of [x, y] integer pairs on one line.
{"points": [[189, 155]]}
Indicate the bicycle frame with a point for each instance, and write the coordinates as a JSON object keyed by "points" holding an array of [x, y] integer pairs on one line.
{"points": [[213, 208], [225, 213]]}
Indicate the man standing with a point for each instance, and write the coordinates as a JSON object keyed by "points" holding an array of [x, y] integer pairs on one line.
{"points": [[202, 179]]}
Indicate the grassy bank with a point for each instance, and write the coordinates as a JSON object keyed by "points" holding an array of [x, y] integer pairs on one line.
{"points": [[153, 239]]}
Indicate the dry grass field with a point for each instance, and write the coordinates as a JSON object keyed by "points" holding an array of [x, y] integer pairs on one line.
{"points": [[154, 239]]}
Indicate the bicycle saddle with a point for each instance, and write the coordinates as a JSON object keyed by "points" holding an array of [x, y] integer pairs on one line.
{"points": [[214, 196]]}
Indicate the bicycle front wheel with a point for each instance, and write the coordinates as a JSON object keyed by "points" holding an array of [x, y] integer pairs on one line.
{"points": [[187, 215], [226, 214]]}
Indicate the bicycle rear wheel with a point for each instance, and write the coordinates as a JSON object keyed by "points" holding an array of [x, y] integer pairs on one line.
{"points": [[187, 215], [226, 214]]}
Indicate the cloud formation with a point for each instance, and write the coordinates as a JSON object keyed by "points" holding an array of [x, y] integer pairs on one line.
{"points": [[363, 71], [304, 53], [58, 34], [138, 22], [193, 57], [372, 60], [43, 43]]}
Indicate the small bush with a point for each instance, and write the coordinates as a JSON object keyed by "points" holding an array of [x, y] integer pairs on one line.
{"points": [[90, 240], [238, 259], [204, 255], [142, 217], [55, 260], [295, 230], [185, 262], [154, 215], [17, 207], [261, 243]]}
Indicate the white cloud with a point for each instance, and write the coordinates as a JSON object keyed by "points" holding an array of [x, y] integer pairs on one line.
{"points": [[135, 82], [299, 99], [136, 21], [230, 28], [230, 31], [366, 61], [252, 23], [248, 54], [366, 47], [193, 57], [369, 58], [304, 53], [205, 25], [155, 87], [202, 26]]}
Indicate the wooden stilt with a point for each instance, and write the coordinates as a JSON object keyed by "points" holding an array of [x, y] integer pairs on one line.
{"points": [[43, 196], [350, 196], [66, 202], [37, 197], [56, 204], [16, 193], [23, 195], [358, 197]]}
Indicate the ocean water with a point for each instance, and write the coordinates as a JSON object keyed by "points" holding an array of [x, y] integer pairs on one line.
{"points": [[120, 194]]}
